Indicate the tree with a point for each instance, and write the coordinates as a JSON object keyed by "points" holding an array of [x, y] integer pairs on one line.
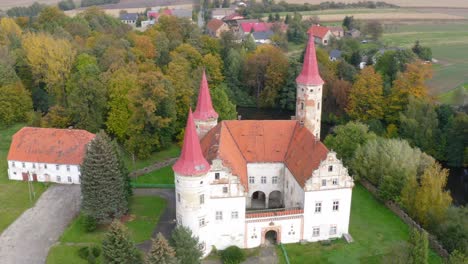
{"points": [[348, 22], [424, 53], [428, 203], [117, 246], [419, 247], [393, 61], [347, 138], [375, 29], [15, 104], [102, 183], [222, 104], [186, 246], [66, 5], [7, 70], [453, 231], [456, 257], [10, 32], [214, 69], [457, 141], [57, 117], [161, 252], [366, 96]]}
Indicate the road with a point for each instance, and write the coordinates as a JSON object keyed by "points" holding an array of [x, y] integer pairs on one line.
{"points": [[28, 239]]}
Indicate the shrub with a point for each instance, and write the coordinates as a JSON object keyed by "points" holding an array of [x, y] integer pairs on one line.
{"points": [[89, 253], [232, 255], [89, 223]]}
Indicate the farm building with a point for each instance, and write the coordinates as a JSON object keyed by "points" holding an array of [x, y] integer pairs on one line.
{"points": [[47, 154], [252, 182], [215, 27]]}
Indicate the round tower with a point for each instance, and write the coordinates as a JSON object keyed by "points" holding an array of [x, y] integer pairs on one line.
{"points": [[205, 116], [309, 91], [191, 186]]}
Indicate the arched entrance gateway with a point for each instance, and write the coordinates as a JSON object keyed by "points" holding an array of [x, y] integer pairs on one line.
{"points": [[275, 200], [258, 200], [271, 237]]}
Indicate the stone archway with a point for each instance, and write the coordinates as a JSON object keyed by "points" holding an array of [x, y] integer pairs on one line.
{"points": [[271, 238], [258, 200], [275, 200]]}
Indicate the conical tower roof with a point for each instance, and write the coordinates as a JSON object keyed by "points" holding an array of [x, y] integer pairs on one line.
{"points": [[204, 110], [191, 161], [310, 73]]}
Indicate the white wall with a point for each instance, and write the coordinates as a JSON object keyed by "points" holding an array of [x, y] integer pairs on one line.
{"points": [[45, 172], [311, 112], [289, 227], [268, 170], [294, 193]]}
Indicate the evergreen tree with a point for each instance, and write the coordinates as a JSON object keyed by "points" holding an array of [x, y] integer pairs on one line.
{"points": [[161, 252], [186, 246], [102, 181], [123, 169], [118, 248]]}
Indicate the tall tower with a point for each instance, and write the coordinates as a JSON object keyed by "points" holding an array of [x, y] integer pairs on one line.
{"points": [[205, 116], [192, 186], [309, 91]]}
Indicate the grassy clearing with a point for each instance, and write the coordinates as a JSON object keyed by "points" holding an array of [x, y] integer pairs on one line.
{"points": [[145, 211], [457, 96], [171, 152], [14, 195], [164, 175], [375, 229]]}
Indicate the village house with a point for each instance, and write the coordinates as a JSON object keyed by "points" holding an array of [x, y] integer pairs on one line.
{"points": [[353, 33], [335, 55], [47, 154], [322, 35], [129, 18], [215, 27], [252, 182], [263, 37], [337, 32]]}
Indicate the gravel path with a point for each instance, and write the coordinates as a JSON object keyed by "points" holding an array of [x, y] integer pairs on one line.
{"points": [[28, 239]]}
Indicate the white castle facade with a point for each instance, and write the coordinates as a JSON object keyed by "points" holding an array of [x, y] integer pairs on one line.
{"points": [[250, 182]]}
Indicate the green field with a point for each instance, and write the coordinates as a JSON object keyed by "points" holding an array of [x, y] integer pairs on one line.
{"points": [[145, 212], [374, 228], [164, 175], [457, 96], [449, 43], [14, 195]]}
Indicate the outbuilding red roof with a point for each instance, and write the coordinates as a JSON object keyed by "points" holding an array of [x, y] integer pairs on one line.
{"points": [[318, 31], [238, 142], [255, 26], [205, 108], [49, 145], [214, 24], [310, 73]]}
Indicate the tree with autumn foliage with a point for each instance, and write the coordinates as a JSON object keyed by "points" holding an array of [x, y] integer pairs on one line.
{"points": [[366, 99], [161, 252]]}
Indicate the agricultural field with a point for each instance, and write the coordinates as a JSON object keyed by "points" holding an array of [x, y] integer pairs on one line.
{"points": [[405, 3], [7, 4]]}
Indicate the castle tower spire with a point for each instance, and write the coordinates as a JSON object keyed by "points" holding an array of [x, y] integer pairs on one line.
{"points": [[205, 116], [309, 91], [191, 161]]}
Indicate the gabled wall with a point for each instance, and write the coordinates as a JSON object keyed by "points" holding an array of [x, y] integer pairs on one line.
{"points": [[45, 172]]}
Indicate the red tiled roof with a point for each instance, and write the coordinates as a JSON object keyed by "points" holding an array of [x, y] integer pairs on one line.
{"points": [[238, 142], [204, 109], [270, 214], [214, 24], [234, 16], [191, 161], [155, 14], [318, 31], [255, 26], [310, 73], [49, 145]]}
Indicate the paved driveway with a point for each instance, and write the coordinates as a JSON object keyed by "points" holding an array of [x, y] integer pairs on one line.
{"points": [[28, 239]]}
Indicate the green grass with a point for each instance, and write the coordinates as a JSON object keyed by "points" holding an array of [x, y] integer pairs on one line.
{"points": [[14, 195], [457, 96], [145, 211], [374, 228], [164, 175], [171, 152]]}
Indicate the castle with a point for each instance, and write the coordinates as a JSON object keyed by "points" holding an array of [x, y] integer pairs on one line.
{"points": [[251, 182]]}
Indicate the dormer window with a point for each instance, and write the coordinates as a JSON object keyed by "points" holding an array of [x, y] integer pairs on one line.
{"points": [[217, 176], [330, 168]]}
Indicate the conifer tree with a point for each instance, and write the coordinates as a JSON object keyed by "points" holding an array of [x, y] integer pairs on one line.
{"points": [[118, 248], [123, 169], [102, 181], [161, 252], [186, 246]]}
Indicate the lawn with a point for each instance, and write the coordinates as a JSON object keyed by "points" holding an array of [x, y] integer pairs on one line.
{"points": [[457, 96], [374, 228], [164, 175], [145, 211], [14, 195], [171, 152]]}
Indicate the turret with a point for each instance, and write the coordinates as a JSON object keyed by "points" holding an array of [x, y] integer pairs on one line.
{"points": [[309, 91], [192, 186], [205, 116]]}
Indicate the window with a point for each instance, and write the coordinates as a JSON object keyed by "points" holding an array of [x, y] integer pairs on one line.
{"points": [[201, 222], [219, 215], [302, 106], [316, 231], [58, 179], [34, 165], [57, 167], [225, 189], [251, 179], [318, 207], [287, 184], [178, 197], [68, 167], [234, 215], [69, 179], [332, 230], [263, 179], [274, 180], [311, 90], [202, 198], [324, 182], [318, 105], [45, 166], [13, 164], [330, 168], [336, 205], [335, 181], [24, 165], [217, 176]]}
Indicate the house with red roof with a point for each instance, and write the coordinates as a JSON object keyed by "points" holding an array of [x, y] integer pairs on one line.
{"points": [[322, 35], [250, 183], [47, 154], [215, 27]]}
